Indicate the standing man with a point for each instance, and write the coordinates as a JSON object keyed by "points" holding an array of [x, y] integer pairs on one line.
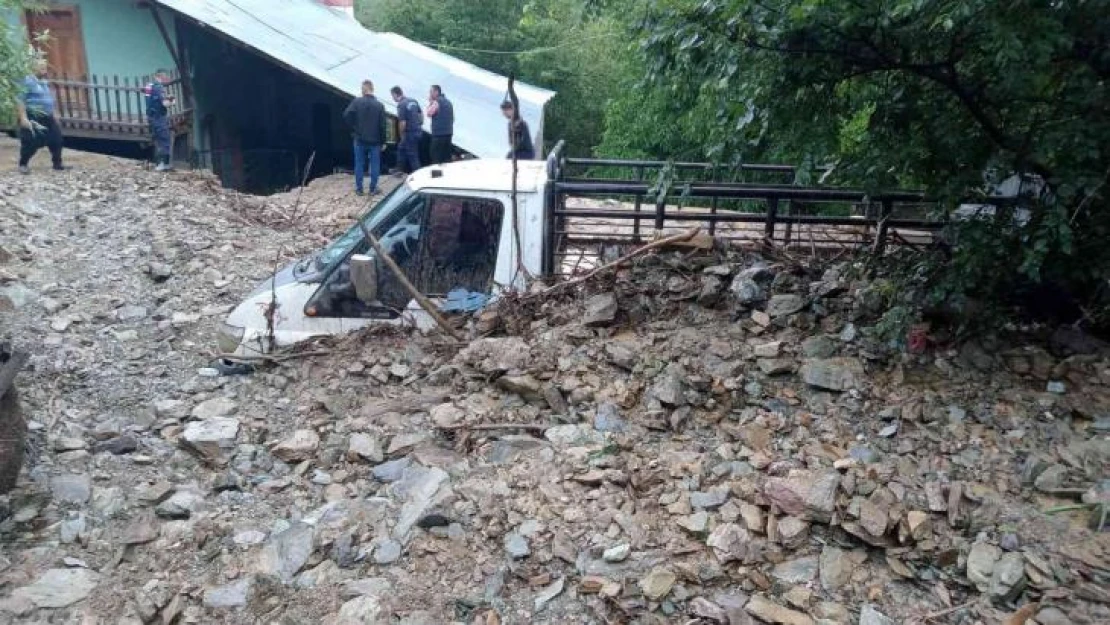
{"points": [[158, 103], [38, 120], [366, 117], [411, 119], [443, 125], [520, 138]]}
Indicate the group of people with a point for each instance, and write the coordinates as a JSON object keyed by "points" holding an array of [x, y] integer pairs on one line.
{"points": [[366, 117], [37, 113]]}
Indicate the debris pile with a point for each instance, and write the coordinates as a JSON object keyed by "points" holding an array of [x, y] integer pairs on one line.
{"points": [[714, 438]]}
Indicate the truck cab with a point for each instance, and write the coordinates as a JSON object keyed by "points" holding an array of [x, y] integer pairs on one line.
{"points": [[450, 229]]}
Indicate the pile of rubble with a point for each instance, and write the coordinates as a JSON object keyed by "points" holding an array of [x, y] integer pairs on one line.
{"points": [[712, 438]]}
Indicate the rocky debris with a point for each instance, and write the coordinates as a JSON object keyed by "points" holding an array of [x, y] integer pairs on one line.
{"points": [[233, 595], [771, 612], [286, 553], [58, 588], [833, 374], [723, 443], [658, 583], [302, 445], [601, 310], [212, 439]]}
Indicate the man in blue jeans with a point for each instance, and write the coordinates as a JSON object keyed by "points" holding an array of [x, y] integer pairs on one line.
{"points": [[366, 117]]}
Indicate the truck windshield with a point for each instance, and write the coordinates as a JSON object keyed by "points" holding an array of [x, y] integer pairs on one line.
{"points": [[339, 248]]}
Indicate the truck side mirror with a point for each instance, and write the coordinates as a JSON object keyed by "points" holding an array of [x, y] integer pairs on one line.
{"points": [[364, 275]]}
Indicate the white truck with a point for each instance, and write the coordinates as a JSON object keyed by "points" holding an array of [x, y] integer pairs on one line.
{"points": [[451, 230]]}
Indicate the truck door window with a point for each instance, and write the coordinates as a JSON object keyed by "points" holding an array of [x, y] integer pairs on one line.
{"points": [[441, 243]]}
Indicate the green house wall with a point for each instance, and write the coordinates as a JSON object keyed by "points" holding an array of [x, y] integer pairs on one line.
{"points": [[122, 38]]}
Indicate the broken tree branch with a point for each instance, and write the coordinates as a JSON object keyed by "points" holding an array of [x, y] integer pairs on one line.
{"points": [[498, 426], [420, 298], [654, 245]]}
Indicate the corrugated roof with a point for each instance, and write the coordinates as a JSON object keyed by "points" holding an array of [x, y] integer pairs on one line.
{"points": [[335, 50]]}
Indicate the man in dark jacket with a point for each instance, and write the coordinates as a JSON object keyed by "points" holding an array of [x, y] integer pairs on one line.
{"points": [[442, 113], [520, 138], [366, 117], [411, 120], [158, 104]]}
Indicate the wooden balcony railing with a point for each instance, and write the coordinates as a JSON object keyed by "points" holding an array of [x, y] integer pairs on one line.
{"points": [[108, 107]]}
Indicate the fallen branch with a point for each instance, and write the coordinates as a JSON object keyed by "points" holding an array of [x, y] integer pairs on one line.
{"points": [[654, 245], [498, 426], [424, 302], [941, 613], [273, 357]]}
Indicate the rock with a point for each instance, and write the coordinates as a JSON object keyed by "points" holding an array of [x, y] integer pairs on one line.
{"points": [[848, 333], [980, 564], [301, 446], [526, 386], [365, 448], [753, 517], [131, 313], [608, 418], [365, 610], [1008, 578], [601, 310], [418, 488], [233, 595], [799, 571], [709, 500], [212, 439], [387, 552], [547, 594], [159, 272], [761, 318], [58, 588], [1052, 615], [768, 350], [404, 443], [391, 471], [619, 553], [819, 346], [836, 567], [705, 609], [71, 489], [785, 305], [64, 444], [669, 388], [555, 400], [868, 615], [746, 291], [247, 538], [710, 291], [792, 532], [918, 525], [730, 542], [873, 518], [733, 604], [72, 529], [833, 374], [696, 523], [573, 435], [775, 366], [287, 552], [658, 583], [117, 446], [771, 612], [171, 409], [811, 497], [1051, 479], [447, 415], [1057, 388], [517, 546], [213, 408]]}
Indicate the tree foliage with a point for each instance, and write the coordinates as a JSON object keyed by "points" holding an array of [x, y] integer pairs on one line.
{"points": [[955, 95], [571, 46], [14, 57]]}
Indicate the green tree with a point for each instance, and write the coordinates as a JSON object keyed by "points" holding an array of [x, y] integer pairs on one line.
{"points": [[951, 94], [14, 58], [573, 47]]}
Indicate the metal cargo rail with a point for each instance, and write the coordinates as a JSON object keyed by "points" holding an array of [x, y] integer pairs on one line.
{"points": [[596, 202]]}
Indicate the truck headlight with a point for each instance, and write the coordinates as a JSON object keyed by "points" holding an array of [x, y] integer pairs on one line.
{"points": [[229, 338]]}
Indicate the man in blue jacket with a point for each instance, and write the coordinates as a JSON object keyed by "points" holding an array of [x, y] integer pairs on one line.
{"points": [[411, 119], [38, 121]]}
